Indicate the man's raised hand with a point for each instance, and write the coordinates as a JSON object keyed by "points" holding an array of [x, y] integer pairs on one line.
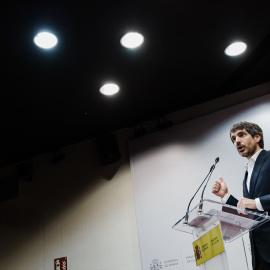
{"points": [[219, 188]]}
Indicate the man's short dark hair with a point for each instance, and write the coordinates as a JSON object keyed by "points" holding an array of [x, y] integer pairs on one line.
{"points": [[251, 128]]}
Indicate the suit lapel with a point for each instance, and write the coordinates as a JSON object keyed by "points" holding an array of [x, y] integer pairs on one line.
{"points": [[257, 167]]}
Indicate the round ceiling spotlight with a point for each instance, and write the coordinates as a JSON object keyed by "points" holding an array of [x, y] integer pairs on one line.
{"points": [[109, 89], [235, 48], [45, 40], [132, 40]]}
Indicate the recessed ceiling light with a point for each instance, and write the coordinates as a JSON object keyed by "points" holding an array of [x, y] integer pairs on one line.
{"points": [[235, 48], [132, 40], [45, 40], [109, 89]]}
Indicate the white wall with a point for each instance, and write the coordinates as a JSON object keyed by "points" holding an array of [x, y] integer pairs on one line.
{"points": [[169, 166]]}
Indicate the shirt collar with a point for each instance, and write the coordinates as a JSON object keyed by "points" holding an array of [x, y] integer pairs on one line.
{"points": [[253, 158]]}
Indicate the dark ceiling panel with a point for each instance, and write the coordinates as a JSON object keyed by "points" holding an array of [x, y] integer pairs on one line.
{"points": [[51, 99]]}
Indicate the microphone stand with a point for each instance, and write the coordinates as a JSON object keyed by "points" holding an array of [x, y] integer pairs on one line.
{"points": [[211, 171], [207, 176]]}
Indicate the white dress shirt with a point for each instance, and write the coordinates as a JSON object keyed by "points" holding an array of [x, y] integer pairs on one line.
{"points": [[249, 167]]}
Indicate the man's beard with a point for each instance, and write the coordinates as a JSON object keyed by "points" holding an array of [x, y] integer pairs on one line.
{"points": [[249, 153]]}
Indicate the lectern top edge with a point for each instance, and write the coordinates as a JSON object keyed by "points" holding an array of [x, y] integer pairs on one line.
{"points": [[232, 223]]}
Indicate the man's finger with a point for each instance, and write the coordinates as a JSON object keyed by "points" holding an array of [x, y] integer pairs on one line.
{"points": [[221, 179], [241, 204], [216, 187], [216, 184]]}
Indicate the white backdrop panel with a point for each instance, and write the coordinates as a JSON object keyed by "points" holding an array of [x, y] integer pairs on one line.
{"points": [[168, 167]]}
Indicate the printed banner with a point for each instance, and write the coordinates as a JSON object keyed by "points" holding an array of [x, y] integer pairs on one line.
{"points": [[208, 246]]}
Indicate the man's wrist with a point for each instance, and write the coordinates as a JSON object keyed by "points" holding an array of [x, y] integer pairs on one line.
{"points": [[258, 204], [225, 198]]}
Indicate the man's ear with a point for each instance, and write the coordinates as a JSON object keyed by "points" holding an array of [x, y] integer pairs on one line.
{"points": [[257, 137]]}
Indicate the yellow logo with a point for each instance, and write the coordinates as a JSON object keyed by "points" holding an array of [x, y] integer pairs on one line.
{"points": [[197, 252]]}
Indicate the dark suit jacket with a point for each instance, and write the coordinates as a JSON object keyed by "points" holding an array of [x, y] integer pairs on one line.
{"points": [[259, 188]]}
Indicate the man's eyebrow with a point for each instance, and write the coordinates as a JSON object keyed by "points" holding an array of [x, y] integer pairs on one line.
{"points": [[238, 132]]}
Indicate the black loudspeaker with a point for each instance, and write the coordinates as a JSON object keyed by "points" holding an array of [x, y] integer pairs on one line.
{"points": [[108, 149], [9, 187], [25, 171]]}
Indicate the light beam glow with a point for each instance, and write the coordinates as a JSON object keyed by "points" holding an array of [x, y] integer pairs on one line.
{"points": [[45, 40], [132, 40], [235, 49], [109, 89]]}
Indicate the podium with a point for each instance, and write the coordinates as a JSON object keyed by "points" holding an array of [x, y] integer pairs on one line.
{"points": [[210, 215]]}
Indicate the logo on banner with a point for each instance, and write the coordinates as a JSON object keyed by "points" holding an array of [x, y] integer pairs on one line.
{"points": [[197, 252], [60, 263], [155, 265]]}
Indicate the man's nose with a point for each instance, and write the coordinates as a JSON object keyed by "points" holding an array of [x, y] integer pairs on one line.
{"points": [[237, 140]]}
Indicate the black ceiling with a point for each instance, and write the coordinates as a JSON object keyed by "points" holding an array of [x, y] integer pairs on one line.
{"points": [[50, 99]]}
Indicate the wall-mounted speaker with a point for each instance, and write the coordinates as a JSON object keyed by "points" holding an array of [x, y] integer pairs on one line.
{"points": [[9, 187], [25, 171], [108, 149]]}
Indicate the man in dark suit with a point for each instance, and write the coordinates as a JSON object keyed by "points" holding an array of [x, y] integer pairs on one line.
{"points": [[248, 139]]}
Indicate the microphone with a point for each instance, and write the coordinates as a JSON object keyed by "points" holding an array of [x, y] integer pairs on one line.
{"points": [[211, 171], [207, 176]]}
